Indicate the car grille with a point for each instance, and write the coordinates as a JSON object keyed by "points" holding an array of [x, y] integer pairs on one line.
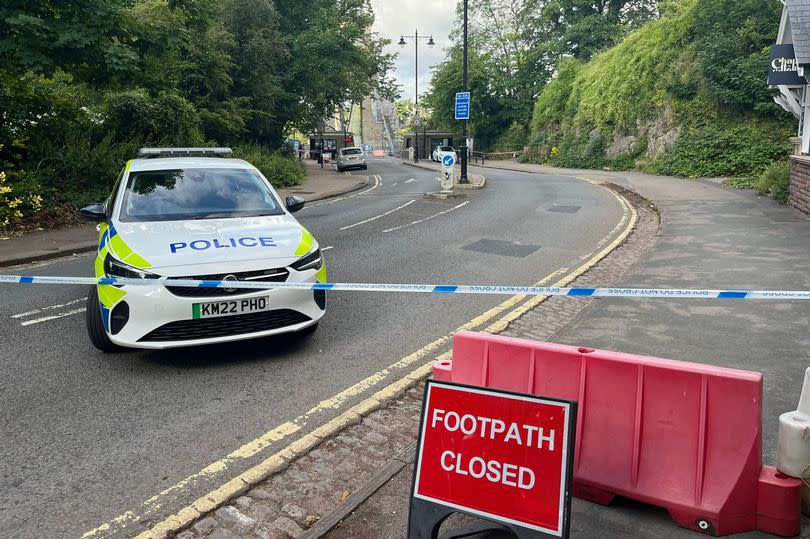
{"points": [[278, 275], [224, 326]]}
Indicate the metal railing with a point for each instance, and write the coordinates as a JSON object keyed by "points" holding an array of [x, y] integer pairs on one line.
{"points": [[480, 158]]}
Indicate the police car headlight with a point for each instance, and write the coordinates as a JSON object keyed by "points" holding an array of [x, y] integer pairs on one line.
{"points": [[313, 260], [116, 268]]}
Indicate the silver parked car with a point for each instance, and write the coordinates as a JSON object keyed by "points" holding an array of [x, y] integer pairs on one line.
{"points": [[353, 157]]}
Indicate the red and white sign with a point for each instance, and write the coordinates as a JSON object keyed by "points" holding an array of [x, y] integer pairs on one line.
{"points": [[499, 455]]}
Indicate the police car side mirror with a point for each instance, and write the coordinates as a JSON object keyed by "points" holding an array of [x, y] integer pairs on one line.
{"points": [[295, 204], [94, 212]]}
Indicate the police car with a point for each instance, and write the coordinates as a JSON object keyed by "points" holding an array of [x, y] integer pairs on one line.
{"points": [[197, 213]]}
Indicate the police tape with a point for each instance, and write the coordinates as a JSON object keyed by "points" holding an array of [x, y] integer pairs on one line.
{"points": [[420, 288]]}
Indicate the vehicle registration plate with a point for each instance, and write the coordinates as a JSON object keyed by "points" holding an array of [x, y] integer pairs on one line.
{"points": [[229, 308]]}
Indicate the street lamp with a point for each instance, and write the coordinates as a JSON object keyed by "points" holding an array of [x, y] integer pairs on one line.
{"points": [[464, 157], [416, 37]]}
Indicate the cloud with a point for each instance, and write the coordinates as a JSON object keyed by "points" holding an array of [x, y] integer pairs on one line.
{"points": [[394, 18]]}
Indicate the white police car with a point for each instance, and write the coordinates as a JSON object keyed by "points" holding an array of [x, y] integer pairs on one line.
{"points": [[195, 213]]}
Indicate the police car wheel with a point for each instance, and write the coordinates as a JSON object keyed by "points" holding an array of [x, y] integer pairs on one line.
{"points": [[95, 325]]}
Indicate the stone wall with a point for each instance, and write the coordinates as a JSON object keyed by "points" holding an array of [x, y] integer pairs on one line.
{"points": [[800, 183]]}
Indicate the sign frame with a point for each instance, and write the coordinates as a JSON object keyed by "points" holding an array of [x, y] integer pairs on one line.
{"points": [[463, 100], [428, 513]]}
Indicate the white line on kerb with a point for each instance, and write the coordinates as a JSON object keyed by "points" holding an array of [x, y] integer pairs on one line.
{"points": [[48, 308], [378, 216], [427, 218], [45, 319]]}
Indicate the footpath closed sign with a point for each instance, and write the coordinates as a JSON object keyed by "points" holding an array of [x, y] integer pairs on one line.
{"points": [[502, 456]]}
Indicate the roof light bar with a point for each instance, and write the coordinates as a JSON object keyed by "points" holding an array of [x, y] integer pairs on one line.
{"points": [[185, 152]]}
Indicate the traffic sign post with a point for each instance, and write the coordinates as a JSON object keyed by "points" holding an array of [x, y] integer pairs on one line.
{"points": [[501, 456], [463, 106], [448, 164]]}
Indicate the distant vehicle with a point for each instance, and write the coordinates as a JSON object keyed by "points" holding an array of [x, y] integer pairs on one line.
{"points": [[196, 213], [441, 151], [351, 158]]}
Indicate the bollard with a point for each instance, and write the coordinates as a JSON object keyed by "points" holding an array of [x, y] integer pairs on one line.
{"points": [[793, 447]]}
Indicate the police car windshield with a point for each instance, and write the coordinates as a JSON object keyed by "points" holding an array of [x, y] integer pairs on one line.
{"points": [[197, 193]]}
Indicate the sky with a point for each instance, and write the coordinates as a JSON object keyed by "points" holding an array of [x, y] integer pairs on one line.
{"points": [[397, 17]]}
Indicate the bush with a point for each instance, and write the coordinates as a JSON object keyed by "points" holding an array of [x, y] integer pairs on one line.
{"points": [[579, 150], [14, 205], [514, 139], [739, 149], [280, 170], [165, 120], [775, 181], [552, 102]]}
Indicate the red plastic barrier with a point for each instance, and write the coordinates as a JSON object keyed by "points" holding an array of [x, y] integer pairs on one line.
{"points": [[683, 436]]}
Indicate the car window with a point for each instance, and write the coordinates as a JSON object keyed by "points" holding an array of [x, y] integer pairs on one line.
{"points": [[351, 151], [175, 195], [446, 149]]}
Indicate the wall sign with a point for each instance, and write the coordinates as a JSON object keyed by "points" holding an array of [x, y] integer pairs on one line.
{"points": [[783, 68]]}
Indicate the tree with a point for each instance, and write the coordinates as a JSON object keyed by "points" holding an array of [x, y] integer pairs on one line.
{"points": [[86, 38], [516, 46]]}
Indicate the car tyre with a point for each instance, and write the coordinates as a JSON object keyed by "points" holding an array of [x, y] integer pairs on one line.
{"points": [[340, 169], [95, 325], [365, 167]]}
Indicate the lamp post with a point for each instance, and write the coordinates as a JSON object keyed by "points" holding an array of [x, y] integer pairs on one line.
{"points": [[416, 37], [464, 152]]}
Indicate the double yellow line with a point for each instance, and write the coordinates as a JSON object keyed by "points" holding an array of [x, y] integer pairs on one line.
{"points": [[302, 445]]}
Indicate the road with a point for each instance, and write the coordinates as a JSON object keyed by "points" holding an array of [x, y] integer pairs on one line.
{"points": [[86, 437]]}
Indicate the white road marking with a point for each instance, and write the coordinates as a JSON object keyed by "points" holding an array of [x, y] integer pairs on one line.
{"points": [[377, 183], [378, 216], [327, 248], [45, 319], [48, 308], [427, 218], [393, 184], [411, 180]]}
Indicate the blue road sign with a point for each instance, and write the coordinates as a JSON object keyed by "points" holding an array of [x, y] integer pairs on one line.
{"points": [[449, 160], [463, 106]]}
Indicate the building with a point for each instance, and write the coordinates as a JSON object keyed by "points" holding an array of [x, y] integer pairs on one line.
{"points": [[427, 141], [329, 141], [788, 76]]}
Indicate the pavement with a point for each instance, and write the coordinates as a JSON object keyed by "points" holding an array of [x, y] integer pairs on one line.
{"points": [[320, 183], [114, 446]]}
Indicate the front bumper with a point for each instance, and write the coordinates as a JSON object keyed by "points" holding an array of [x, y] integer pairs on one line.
{"points": [[159, 319]]}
